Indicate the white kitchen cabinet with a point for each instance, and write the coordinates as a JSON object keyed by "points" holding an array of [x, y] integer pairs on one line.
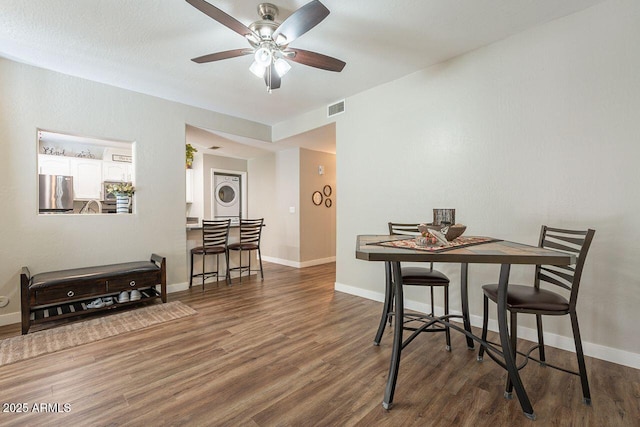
{"points": [[53, 165], [87, 178], [116, 171]]}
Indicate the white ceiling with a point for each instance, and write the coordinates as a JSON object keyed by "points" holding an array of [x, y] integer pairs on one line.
{"points": [[146, 45]]}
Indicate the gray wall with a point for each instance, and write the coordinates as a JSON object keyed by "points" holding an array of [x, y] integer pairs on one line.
{"points": [[274, 187], [284, 180], [540, 128], [35, 98]]}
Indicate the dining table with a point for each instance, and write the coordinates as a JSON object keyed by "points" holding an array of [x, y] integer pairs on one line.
{"points": [[463, 250]]}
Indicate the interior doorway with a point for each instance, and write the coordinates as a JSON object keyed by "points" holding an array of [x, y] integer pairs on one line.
{"points": [[228, 194]]}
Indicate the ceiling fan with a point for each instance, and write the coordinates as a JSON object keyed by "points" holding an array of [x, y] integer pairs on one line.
{"points": [[270, 40]]}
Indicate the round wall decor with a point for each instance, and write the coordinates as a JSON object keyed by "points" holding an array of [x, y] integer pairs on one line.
{"points": [[328, 203], [317, 198], [327, 190]]}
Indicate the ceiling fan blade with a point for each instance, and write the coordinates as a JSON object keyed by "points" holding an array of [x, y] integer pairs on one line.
{"points": [[316, 60], [222, 17], [222, 55], [301, 21], [275, 78]]}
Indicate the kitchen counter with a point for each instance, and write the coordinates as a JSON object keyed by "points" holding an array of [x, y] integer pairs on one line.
{"points": [[199, 227]]}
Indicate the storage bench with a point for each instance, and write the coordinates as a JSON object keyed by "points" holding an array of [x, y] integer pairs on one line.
{"points": [[66, 293]]}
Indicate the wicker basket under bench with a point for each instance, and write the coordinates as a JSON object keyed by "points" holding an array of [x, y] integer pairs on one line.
{"points": [[61, 294]]}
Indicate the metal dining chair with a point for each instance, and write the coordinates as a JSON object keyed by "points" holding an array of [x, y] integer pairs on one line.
{"points": [[215, 236], [412, 276], [250, 232], [536, 300]]}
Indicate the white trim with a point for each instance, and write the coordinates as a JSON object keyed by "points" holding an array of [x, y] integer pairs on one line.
{"points": [[298, 264], [10, 318], [597, 351], [177, 287]]}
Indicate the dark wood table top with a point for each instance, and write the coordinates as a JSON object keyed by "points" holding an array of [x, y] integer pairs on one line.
{"points": [[497, 252]]}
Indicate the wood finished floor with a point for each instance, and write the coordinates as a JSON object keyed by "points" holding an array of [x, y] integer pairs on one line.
{"points": [[290, 351]]}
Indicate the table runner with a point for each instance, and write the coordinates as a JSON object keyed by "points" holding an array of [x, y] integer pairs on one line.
{"points": [[459, 242]]}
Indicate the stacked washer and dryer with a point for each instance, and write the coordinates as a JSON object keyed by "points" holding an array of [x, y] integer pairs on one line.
{"points": [[228, 200]]}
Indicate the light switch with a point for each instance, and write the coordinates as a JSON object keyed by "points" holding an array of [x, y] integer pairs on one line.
{"points": [[320, 170], [292, 209]]}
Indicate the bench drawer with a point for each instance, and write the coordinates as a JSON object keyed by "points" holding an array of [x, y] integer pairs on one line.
{"points": [[69, 292], [134, 281]]}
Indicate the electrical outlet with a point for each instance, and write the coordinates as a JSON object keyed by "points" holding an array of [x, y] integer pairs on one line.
{"points": [[4, 301]]}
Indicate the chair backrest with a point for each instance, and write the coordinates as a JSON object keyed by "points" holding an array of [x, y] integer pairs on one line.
{"points": [[251, 230], [403, 229], [397, 228], [215, 232], [567, 276]]}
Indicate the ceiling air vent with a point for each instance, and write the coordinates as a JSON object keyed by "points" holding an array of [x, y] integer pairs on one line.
{"points": [[335, 109]]}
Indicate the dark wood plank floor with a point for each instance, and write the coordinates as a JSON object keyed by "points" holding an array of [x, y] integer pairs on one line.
{"points": [[290, 351]]}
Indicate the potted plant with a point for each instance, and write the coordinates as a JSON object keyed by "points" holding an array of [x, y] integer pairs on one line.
{"points": [[123, 192], [190, 149]]}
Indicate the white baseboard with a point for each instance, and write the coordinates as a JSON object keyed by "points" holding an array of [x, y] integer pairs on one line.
{"points": [[10, 318], [177, 287], [298, 264], [597, 351]]}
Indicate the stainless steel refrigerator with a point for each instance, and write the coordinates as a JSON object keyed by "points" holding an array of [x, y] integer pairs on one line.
{"points": [[55, 193]]}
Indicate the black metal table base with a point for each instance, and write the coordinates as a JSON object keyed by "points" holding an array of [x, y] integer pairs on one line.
{"points": [[505, 350]]}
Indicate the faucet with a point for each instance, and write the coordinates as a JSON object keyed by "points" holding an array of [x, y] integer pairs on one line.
{"points": [[85, 208]]}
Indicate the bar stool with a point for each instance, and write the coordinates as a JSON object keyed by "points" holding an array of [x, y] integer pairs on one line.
{"points": [[535, 299], [250, 232], [413, 276], [215, 236]]}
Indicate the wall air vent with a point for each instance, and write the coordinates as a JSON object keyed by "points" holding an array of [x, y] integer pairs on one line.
{"points": [[335, 109]]}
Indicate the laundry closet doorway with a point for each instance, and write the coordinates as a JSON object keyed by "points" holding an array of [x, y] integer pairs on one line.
{"points": [[228, 194]]}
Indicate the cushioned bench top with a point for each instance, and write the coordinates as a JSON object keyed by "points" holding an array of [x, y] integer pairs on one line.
{"points": [[91, 273]]}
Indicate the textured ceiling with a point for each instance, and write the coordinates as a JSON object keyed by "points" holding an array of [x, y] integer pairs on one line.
{"points": [[146, 45]]}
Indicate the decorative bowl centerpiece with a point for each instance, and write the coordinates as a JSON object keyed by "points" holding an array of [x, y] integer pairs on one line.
{"points": [[438, 234], [454, 231], [430, 234]]}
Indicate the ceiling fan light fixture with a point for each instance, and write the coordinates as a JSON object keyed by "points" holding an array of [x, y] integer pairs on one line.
{"points": [[257, 69], [281, 40], [282, 67], [270, 39], [252, 38], [263, 56]]}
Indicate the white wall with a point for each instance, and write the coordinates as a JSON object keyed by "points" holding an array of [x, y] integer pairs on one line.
{"points": [[540, 128], [33, 98]]}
